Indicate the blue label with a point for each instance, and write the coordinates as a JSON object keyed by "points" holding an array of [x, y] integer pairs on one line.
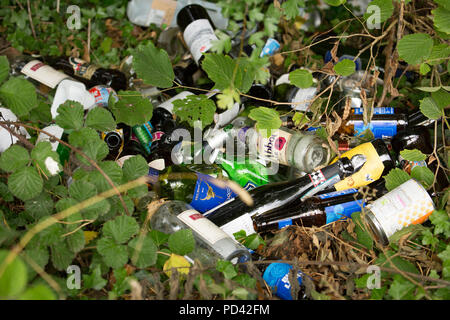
{"points": [[153, 175], [312, 129], [337, 193], [380, 129], [284, 223], [208, 195], [343, 210], [376, 110], [250, 185], [270, 47]]}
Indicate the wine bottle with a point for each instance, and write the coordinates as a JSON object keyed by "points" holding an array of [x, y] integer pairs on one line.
{"points": [[276, 195], [196, 185], [211, 243], [88, 73]]}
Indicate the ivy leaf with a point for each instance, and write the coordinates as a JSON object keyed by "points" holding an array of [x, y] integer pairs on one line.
{"points": [[147, 255], [415, 48], [14, 158], [430, 109], [19, 95], [153, 66], [25, 183], [401, 288], [195, 108], [100, 119], [412, 155], [131, 109], [4, 68], [301, 78], [266, 119], [227, 268], [181, 242], [395, 177], [114, 255], [120, 229], [345, 67], [46, 160], [14, 278], [424, 175], [70, 115]]}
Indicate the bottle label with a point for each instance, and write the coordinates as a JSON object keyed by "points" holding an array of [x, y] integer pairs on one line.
{"points": [[343, 211], [270, 48], [161, 12], [43, 73], [301, 98], [376, 110], [244, 222], [284, 223], [274, 148], [369, 172], [102, 94], [208, 195], [157, 135], [407, 165], [224, 118], [380, 129], [168, 105], [320, 183], [82, 68], [202, 226], [198, 36], [336, 193], [407, 204]]}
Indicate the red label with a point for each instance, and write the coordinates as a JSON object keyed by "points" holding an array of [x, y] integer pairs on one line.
{"points": [[196, 216], [279, 143], [37, 66]]}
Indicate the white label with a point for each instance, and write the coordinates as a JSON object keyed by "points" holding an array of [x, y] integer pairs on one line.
{"points": [[284, 78], [198, 36], [274, 147], [168, 105], [304, 96], [244, 222], [224, 118], [202, 226], [407, 204], [43, 73]]}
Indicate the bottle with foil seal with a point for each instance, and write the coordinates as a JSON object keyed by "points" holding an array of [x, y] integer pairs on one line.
{"points": [[212, 243]]}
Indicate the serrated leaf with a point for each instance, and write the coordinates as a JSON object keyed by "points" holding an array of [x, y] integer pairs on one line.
{"points": [[114, 255], [386, 8], [62, 257], [266, 119], [178, 262], [112, 170], [134, 168], [94, 280], [25, 183], [14, 278], [291, 8], [441, 222], [415, 48], [395, 177], [412, 155], [158, 237], [430, 109], [424, 68], [153, 66], [19, 95], [424, 175], [335, 3], [401, 288], [100, 119], [46, 160], [227, 268], [195, 108], [146, 255], [82, 190], [131, 109], [301, 78], [14, 158], [362, 234], [4, 68], [345, 67], [121, 229], [441, 19], [41, 113], [441, 98], [438, 54], [181, 242], [222, 44], [76, 241], [40, 256], [70, 115], [89, 141], [40, 206]]}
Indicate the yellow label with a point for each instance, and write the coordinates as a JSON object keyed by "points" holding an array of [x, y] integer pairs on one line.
{"points": [[370, 171]]}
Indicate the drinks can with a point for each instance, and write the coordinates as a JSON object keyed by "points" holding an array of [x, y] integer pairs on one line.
{"points": [[407, 204]]}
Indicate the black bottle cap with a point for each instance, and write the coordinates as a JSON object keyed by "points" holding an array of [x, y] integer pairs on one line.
{"points": [[191, 13]]}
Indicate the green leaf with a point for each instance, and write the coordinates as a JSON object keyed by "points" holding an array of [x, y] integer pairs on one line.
{"points": [[100, 119], [19, 95], [345, 67], [147, 255], [291, 8], [133, 168], [227, 268], [253, 241], [14, 158], [441, 222], [424, 68], [25, 183], [40, 206], [301, 78], [62, 257], [223, 44], [153, 66], [424, 175], [14, 278], [112, 170], [121, 229], [195, 108], [158, 237], [89, 141], [378, 294], [300, 119], [38, 292], [386, 10], [395, 177], [441, 19], [363, 236], [181, 242], [438, 54], [415, 48], [412, 230], [82, 190], [441, 98], [70, 115], [266, 119], [335, 3], [114, 255], [398, 262], [40, 256], [41, 113], [430, 109], [131, 109], [4, 68], [94, 280], [401, 288], [46, 160], [412, 155], [76, 241]]}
